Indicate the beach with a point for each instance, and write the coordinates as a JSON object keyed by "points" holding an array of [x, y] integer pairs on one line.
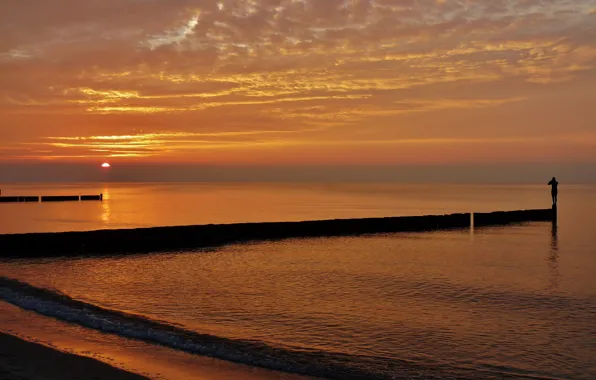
{"points": [[22, 360], [40, 337]]}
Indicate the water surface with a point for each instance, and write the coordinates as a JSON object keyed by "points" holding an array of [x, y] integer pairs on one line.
{"points": [[504, 302], [167, 204]]}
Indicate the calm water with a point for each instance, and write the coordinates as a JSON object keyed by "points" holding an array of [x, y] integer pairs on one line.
{"points": [[507, 302], [143, 205]]}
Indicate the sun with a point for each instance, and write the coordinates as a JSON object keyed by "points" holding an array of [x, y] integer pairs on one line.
{"points": [[106, 165]]}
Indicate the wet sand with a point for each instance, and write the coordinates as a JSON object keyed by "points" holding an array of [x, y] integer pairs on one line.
{"points": [[20, 360]]}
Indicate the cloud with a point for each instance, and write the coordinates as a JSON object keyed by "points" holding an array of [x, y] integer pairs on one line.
{"points": [[238, 66]]}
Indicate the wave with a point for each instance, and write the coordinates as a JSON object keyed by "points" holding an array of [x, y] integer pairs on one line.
{"points": [[309, 362]]}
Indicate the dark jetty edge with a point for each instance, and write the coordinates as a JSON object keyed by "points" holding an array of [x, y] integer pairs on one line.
{"points": [[160, 239], [50, 198], [19, 199]]}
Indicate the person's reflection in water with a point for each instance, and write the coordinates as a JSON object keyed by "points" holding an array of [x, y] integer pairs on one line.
{"points": [[554, 244], [553, 258]]}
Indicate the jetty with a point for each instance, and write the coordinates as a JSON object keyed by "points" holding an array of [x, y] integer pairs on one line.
{"points": [[50, 198], [178, 238]]}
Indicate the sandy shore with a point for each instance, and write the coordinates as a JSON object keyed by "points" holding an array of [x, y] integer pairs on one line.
{"points": [[20, 360], [24, 360]]}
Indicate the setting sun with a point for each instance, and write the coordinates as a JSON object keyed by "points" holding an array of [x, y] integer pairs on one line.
{"points": [[105, 165]]}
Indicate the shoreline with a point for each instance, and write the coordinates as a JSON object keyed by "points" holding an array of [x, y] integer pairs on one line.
{"points": [[24, 360], [132, 357], [171, 238]]}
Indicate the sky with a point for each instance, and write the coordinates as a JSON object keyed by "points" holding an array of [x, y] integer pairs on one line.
{"points": [[298, 83]]}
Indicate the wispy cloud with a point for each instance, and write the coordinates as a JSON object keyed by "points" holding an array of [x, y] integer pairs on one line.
{"points": [[202, 74]]}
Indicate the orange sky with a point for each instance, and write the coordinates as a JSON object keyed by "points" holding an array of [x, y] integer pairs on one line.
{"points": [[298, 81]]}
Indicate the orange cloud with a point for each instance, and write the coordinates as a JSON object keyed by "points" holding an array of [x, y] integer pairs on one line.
{"points": [[249, 76]]}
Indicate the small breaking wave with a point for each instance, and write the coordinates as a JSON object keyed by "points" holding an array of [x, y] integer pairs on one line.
{"points": [[309, 362]]}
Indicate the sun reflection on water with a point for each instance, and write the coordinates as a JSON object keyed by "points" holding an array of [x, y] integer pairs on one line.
{"points": [[106, 212]]}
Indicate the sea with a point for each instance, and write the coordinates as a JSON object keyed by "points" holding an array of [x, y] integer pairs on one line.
{"points": [[507, 302]]}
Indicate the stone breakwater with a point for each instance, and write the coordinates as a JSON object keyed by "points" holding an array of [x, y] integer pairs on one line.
{"points": [[156, 239]]}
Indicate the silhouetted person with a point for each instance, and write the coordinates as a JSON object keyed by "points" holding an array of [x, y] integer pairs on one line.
{"points": [[554, 190]]}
